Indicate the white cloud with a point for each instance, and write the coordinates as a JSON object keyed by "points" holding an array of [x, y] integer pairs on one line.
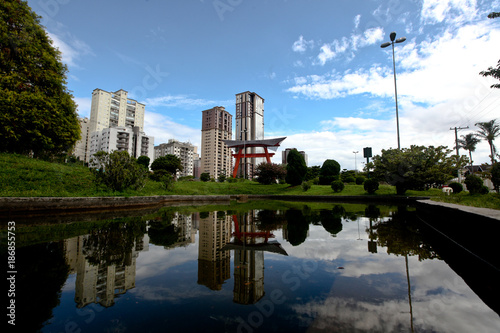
{"points": [[183, 101], [72, 49], [301, 45], [437, 11], [346, 45], [357, 20], [84, 104], [162, 128], [434, 71]]}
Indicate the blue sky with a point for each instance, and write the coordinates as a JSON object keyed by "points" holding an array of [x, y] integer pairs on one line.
{"points": [[327, 84]]}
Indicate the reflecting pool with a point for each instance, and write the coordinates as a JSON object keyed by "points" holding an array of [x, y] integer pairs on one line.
{"points": [[252, 267]]}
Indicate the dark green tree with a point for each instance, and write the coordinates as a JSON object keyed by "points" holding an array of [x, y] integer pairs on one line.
{"points": [[468, 142], [205, 177], [117, 171], [37, 112], [313, 172], [270, 173], [492, 71], [296, 168], [489, 131], [329, 172], [495, 176], [143, 160], [417, 167], [168, 163]]}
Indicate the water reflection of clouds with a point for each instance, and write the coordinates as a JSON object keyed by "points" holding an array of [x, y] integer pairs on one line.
{"points": [[441, 301], [158, 260], [181, 293], [349, 314]]}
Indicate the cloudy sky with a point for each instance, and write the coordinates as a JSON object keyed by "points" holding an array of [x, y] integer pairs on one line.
{"points": [[328, 85]]}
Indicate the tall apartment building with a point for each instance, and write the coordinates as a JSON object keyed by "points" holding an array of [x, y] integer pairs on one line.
{"points": [[115, 109], [81, 146], [249, 126], [185, 151], [132, 140], [216, 157]]}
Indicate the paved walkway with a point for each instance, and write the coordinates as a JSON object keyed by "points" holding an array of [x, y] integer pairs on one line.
{"points": [[486, 212]]}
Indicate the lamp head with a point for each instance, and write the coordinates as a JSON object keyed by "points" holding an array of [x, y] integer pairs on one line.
{"points": [[400, 40], [393, 36], [385, 44]]}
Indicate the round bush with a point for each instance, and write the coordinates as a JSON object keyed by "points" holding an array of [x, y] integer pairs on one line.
{"points": [[337, 186], [371, 185], [350, 179], [456, 187], [474, 184], [306, 186], [360, 180], [484, 190]]}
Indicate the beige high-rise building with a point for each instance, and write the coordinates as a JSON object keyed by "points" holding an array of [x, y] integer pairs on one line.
{"points": [[216, 157], [115, 109], [249, 126]]}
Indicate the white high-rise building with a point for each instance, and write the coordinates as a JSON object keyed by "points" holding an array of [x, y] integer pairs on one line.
{"points": [[81, 150], [115, 109], [185, 151], [135, 142], [249, 126]]}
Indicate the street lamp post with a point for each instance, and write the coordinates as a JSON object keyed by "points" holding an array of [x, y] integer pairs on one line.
{"points": [[355, 161], [384, 45]]}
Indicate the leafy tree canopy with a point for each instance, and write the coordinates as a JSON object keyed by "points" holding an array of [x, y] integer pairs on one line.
{"points": [[144, 160], [169, 163], [37, 111], [296, 168], [492, 71], [269, 173], [118, 171], [417, 167]]}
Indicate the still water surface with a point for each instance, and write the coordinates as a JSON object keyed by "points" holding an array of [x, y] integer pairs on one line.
{"points": [[294, 268]]}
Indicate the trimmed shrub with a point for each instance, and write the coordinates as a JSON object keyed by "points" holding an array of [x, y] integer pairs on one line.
{"points": [[296, 168], [306, 186], [330, 171], [205, 177], [456, 187], [360, 180], [350, 179], [474, 184], [371, 185], [337, 186]]}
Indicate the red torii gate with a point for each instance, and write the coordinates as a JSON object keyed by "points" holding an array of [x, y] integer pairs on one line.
{"points": [[241, 145]]}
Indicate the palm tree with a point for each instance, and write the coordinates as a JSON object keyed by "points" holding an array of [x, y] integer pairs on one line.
{"points": [[468, 142], [489, 131]]}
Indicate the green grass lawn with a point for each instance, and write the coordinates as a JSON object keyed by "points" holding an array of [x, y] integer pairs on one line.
{"points": [[21, 176]]}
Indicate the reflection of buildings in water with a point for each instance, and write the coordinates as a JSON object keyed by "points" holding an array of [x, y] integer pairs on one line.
{"points": [[187, 230], [101, 283], [213, 263], [248, 262]]}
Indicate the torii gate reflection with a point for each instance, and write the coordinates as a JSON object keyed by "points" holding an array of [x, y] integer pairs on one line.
{"points": [[249, 245]]}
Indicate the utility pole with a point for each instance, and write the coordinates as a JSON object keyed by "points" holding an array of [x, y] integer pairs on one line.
{"points": [[456, 136], [456, 146]]}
